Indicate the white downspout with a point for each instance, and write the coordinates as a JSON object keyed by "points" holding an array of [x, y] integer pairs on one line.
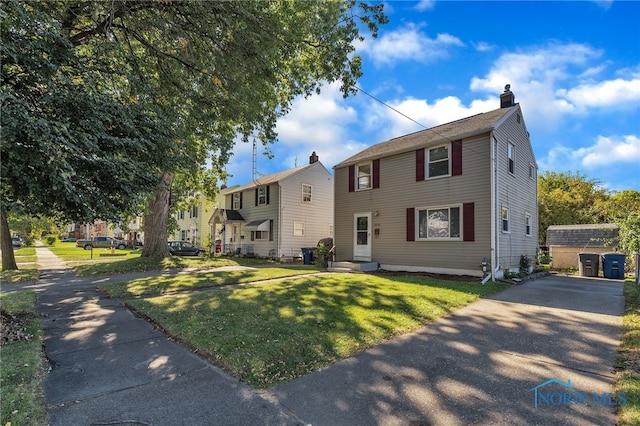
{"points": [[494, 207], [279, 218]]}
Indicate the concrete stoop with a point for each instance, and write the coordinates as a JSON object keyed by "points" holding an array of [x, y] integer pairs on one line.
{"points": [[352, 266]]}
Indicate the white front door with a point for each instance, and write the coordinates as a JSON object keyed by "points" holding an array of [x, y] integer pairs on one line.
{"points": [[362, 236]]}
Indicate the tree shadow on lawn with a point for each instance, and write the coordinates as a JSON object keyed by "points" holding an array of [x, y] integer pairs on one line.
{"points": [[266, 334]]}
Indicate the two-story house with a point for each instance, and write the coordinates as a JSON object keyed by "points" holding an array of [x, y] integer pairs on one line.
{"points": [[193, 223], [278, 214], [443, 200]]}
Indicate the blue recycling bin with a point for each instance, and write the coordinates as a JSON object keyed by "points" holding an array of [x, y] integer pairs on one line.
{"points": [[307, 255], [613, 265]]}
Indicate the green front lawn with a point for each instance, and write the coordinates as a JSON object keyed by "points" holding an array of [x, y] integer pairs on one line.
{"points": [[22, 370], [269, 333], [628, 365], [195, 281]]}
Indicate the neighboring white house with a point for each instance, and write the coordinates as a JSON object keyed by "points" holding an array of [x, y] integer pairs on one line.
{"points": [[444, 200], [278, 214]]}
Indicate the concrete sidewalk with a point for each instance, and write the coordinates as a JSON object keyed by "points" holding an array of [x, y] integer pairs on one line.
{"points": [[480, 365]]}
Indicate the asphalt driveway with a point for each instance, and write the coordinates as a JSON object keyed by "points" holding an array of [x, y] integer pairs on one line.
{"points": [[484, 364]]}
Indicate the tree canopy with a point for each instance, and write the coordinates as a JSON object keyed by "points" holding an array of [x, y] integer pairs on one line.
{"points": [[109, 100]]}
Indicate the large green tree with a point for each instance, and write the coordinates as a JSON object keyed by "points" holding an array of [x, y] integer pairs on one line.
{"points": [[566, 198], [189, 78]]}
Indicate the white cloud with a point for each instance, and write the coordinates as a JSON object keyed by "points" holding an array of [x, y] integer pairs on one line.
{"points": [[408, 43], [558, 80], [425, 5], [611, 93], [482, 46], [613, 159]]}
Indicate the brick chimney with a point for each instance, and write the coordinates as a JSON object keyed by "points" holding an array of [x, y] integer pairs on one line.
{"points": [[313, 158], [507, 99]]}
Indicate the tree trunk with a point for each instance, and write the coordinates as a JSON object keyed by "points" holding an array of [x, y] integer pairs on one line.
{"points": [[156, 219], [8, 258]]}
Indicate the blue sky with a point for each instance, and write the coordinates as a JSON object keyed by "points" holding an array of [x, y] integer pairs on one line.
{"points": [[574, 67]]}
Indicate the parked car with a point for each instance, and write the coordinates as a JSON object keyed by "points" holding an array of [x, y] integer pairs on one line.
{"points": [[102, 242], [69, 240], [185, 248], [17, 242]]}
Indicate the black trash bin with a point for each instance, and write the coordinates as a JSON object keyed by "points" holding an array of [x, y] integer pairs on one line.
{"points": [[613, 265], [307, 255], [589, 265]]}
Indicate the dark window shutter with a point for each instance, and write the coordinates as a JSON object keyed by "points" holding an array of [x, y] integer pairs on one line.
{"points": [[456, 158], [352, 178], [256, 196], [267, 194], [411, 224], [376, 173], [241, 200], [271, 230], [468, 219], [419, 164]]}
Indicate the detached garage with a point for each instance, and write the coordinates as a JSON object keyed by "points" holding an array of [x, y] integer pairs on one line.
{"points": [[565, 242]]}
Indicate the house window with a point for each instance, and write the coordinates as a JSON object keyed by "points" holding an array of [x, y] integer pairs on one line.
{"points": [[262, 195], [181, 215], [306, 193], [194, 212], [527, 224], [236, 201], [363, 173], [532, 172], [511, 154], [439, 223], [184, 235], [259, 235], [438, 161], [298, 229], [505, 219]]}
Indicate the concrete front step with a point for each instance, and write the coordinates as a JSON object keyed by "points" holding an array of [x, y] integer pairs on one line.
{"points": [[352, 266]]}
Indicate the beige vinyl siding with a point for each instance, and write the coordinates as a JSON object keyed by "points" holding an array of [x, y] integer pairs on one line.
{"points": [[517, 191], [399, 191], [316, 215]]}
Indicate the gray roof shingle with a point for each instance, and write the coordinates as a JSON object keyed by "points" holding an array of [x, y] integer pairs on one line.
{"points": [[459, 129], [585, 235]]}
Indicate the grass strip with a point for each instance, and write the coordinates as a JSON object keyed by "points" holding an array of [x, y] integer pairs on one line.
{"points": [[22, 363], [628, 364], [273, 332], [194, 281]]}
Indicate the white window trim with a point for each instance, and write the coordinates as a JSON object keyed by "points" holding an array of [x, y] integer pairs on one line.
{"points": [[263, 196], [235, 201], [532, 172], [508, 231], [304, 185], [297, 222], [427, 157], [511, 159], [264, 236], [357, 176], [427, 208], [527, 218]]}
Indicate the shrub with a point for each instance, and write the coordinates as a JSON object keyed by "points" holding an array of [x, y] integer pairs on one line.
{"points": [[51, 240]]}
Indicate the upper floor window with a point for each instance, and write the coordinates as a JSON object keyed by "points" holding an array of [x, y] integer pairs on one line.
{"points": [[439, 223], [505, 219], [532, 171], [438, 161], [194, 212], [511, 154], [181, 215], [236, 201], [527, 224], [262, 195], [306, 193], [363, 174]]}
